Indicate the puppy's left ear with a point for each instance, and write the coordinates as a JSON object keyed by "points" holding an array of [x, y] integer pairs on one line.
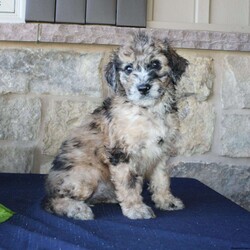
{"points": [[110, 74], [177, 63]]}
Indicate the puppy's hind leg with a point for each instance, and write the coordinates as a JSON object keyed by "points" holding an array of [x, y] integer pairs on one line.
{"points": [[69, 207], [67, 193]]}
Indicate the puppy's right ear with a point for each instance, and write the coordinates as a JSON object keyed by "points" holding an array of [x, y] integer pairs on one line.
{"points": [[110, 74]]}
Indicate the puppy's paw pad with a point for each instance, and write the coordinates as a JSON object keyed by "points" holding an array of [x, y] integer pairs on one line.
{"points": [[139, 212]]}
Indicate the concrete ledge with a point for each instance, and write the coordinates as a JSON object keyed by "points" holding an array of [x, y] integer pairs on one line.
{"points": [[111, 35], [84, 34], [21, 32]]}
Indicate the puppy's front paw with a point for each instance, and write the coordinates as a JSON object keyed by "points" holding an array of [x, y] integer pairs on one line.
{"points": [[168, 202], [138, 211]]}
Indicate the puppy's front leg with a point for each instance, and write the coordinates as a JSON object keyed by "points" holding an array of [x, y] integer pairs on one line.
{"points": [[128, 187], [160, 188]]}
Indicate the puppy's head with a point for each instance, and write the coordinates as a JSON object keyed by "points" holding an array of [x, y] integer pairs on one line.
{"points": [[144, 70]]}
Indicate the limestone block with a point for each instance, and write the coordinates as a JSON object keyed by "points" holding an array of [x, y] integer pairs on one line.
{"points": [[62, 117], [235, 131], [66, 73], [197, 120], [230, 181], [16, 159], [195, 113], [50, 72], [19, 118], [198, 78], [236, 82], [14, 71], [9, 83], [26, 32]]}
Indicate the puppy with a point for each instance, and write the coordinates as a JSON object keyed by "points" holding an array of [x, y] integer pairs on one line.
{"points": [[126, 140]]}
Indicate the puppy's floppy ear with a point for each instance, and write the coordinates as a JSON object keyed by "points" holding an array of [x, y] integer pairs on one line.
{"points": [[110, 74], [177, 63]]}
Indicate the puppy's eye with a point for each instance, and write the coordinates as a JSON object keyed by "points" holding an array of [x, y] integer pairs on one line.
{"points": [[155, 64], [128, 69]]}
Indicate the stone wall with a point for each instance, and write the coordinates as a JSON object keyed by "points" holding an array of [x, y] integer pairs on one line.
{"points": [[48, 89]]}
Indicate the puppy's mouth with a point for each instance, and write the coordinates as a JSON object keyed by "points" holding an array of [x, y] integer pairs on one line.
{"points": [[152, 95], [145, 94], [153, 91]]}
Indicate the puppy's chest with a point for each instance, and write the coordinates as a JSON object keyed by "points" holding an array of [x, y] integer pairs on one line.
{"points": [[144, 133], [152, 138]]}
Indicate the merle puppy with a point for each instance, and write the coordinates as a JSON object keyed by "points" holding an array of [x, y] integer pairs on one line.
{"points": [[126, 140]]}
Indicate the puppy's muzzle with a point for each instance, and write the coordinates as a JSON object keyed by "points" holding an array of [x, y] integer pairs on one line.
{"points": [[144, 88]]}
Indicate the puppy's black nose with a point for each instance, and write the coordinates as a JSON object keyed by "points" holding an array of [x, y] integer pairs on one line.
{"points": [[144, 88]]}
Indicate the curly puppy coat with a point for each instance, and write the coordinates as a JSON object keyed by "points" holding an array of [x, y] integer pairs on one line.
{"points": [[126, 140]]}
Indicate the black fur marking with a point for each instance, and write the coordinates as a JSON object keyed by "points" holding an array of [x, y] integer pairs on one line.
{"points": [[174, 107], [93, 126], [172, 205], [132, 181], [105, 109], [118, 156], [160, 141], [65, 144], [105, 106], [152, 75], [46, 204], [61, 163], [76, 143], [177, 64], [111, 72], [107, 103]]}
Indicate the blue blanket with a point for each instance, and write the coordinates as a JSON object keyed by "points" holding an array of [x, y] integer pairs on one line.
{"points": [[209, 221]]}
